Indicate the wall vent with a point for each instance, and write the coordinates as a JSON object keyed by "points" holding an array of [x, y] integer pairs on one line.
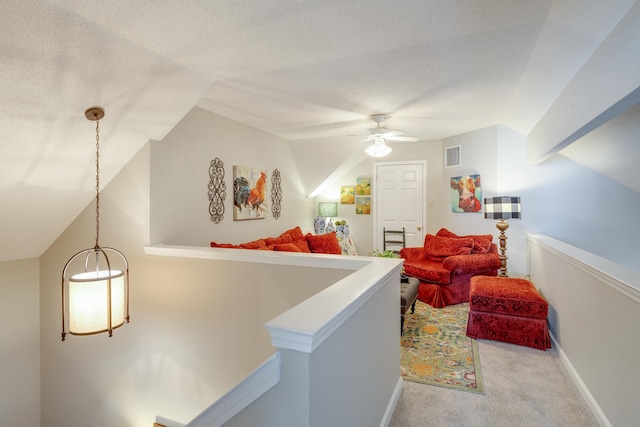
{"points": [[452, 156]]}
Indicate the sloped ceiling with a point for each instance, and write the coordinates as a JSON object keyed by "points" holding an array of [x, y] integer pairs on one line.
{"points": [[299, 70]]}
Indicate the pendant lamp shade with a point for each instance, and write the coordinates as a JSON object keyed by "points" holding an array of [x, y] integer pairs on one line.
{"points": [[95, 299], [91, 294]]}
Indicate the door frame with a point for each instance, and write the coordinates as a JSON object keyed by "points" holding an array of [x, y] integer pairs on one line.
{"points": [[377, 240]]}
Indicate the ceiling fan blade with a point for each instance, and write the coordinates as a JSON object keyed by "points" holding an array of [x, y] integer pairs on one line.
{"points": [[392, 133], [403, 138]]}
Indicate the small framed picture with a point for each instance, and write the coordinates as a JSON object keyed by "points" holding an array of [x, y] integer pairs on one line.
{"points": [[363, 186], [347, 194], [363, 205]]}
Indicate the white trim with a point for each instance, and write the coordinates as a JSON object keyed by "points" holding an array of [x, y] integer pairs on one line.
{"points": [[305, 326], [393, 402], [260, 257], [618, 277], [239, 397], [588, 397], [167, 422]]}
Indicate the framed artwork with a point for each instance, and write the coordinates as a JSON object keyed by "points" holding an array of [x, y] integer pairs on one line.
{"points": [[363, 186], [347, 194], [249, 189], [466, 194], [363, 205]]}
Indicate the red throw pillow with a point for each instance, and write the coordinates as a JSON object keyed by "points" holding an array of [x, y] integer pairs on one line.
{"points": [[286, 247], [283, 238], [302, 245], [222, 245], [256, 244], [295, 233], [443, 232], [446, 246], [481, 242], [324, 243]]}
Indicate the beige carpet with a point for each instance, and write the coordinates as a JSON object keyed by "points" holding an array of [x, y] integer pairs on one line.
{"points": [[523, 387]]}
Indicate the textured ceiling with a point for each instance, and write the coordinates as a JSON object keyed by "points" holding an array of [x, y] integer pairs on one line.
{"points": [[295, 69]]}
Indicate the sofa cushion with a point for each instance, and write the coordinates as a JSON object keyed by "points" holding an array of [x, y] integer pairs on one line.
{"points": [[324, 243], [442, 247], [428, 271], [286, 247], [481, 242]]}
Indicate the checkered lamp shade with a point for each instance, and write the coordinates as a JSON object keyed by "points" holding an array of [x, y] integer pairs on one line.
{"points": [[503, 207]]}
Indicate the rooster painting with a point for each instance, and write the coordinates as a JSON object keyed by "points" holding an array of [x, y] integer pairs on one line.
{"points": [[249, 187]]}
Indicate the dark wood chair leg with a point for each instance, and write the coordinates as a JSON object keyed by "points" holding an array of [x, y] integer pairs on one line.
{"points": [[401, 324], [413, 306]]}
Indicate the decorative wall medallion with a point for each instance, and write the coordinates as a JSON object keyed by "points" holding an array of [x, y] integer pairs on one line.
{"points": [[276, 193], [217, 190]]}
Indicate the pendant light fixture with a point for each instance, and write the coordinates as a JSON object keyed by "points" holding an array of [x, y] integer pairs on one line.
{"points": [[96, 299]]}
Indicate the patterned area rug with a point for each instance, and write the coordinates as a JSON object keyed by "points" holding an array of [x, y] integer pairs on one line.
{"points": [[435, 349]]}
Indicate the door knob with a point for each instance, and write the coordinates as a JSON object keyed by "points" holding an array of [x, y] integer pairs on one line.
{"points": [[419, 228]]}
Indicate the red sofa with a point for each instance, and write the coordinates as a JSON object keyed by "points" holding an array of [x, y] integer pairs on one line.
{"points": [[445, 264], [292, 240]]}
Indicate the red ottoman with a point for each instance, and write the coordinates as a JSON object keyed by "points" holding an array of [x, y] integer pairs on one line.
{"points": [[508, 310]]}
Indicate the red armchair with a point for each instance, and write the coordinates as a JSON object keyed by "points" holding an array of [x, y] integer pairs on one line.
{"points": [[445, 264]]}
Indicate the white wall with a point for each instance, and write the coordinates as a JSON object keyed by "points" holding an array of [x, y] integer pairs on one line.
{"points": [[19, 343], [559, 198], [180, 175]]}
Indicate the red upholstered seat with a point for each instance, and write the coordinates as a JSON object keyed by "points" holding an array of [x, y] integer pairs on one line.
{"points": [[507, 296], [509, 310], [445, 263], [429, 271]]}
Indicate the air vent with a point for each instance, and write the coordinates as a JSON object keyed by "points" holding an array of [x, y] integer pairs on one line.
{"points": [[452, 156]]}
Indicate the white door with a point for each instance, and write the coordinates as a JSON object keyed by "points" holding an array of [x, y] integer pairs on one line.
{"points": [[399, 201]]}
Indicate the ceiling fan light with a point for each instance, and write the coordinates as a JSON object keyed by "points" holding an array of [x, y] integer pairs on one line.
{"points": [[378, 149]]}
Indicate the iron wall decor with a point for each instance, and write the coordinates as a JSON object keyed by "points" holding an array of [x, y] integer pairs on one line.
{"points": [[217, 190], [276, 193], [249, 189]]}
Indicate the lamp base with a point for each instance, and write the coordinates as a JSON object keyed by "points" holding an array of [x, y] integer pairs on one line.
{"points": [[502, 225]]}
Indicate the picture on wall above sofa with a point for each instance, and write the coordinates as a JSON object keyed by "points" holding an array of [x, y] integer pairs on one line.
{"points": [[466, 194], [249, 189]]}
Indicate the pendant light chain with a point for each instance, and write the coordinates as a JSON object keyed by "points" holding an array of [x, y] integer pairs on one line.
{"points": [[97, 182], [95, 300]]}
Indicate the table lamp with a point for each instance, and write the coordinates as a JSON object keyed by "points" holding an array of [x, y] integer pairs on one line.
{"points": [[327, 210], [502, 208]]}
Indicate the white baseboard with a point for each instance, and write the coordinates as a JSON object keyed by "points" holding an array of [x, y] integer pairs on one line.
{"points": [[588, 397], [391, 407]]}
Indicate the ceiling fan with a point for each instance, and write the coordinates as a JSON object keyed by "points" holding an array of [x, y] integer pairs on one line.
{"points": [[380, 135]]}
